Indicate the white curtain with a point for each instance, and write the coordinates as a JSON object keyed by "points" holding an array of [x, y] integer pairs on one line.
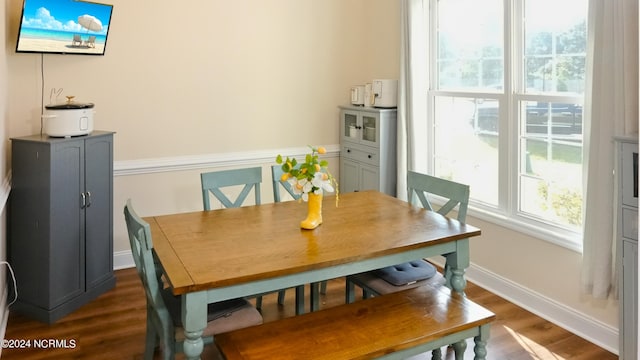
{"points": [[412, 92], [611, 108]]}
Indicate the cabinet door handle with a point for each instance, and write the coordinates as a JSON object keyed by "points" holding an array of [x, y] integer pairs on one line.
{"points": [[348, 150], [85, 200], [369, 156]]}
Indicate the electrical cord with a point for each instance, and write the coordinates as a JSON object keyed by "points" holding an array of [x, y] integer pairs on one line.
{"points": [[53, 95], [15, 286]]}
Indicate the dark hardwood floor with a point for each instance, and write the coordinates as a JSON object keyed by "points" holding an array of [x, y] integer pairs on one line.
{"points": [[113, 327]]}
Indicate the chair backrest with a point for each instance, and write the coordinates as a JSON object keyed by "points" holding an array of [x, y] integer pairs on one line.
{"points": [[149, 272], [421, 185], [276, 175], [77, 38], [212, 182]]}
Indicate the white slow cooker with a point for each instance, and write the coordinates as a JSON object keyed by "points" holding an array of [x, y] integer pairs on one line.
{"points": [[68, 119]]}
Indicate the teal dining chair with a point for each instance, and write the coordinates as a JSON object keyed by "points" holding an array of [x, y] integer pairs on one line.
{"points": [[276, 176], [249, 179], [213, 183], [164, 323], [414, 273]]}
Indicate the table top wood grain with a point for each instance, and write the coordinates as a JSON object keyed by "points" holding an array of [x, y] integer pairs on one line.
{"points": [[209, 249]]}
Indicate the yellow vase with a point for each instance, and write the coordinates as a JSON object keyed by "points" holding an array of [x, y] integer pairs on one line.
{"points": [[314, 214]]}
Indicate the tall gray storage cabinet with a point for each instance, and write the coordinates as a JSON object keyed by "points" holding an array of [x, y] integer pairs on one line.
{"points": [[367, 149], [61, 222], [627, 244]]}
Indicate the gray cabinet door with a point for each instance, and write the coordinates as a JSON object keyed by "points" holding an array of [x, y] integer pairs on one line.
{"points": [[66, 246], [369, 177], [98, 209], [349, 175]]}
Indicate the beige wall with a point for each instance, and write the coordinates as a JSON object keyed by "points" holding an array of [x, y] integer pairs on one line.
{"points": [[205, 78], [200, 77]]}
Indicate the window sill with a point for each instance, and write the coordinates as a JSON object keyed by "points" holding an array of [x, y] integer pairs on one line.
{"points": [[561, 237]]}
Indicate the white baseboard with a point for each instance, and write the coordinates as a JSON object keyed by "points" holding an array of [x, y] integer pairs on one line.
{"points": [[576, 322], [123, 260]]}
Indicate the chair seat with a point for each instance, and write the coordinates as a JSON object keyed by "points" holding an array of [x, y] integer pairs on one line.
{"points": [[221, 316], [373, 282], [407, 273]]}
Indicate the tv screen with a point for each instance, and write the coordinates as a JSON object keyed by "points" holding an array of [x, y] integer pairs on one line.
{"points": [[64, 27]]}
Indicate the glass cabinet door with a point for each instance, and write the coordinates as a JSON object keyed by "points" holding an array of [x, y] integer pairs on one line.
{"points": [[360, 127], [350, 125], [369, 128]]}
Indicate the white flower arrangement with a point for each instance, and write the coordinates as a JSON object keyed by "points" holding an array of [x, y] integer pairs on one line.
{"points": [[310, 176]]}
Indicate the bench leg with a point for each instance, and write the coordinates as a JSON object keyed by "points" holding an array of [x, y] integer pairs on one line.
{"points": [[459, 349], [480, 350]]}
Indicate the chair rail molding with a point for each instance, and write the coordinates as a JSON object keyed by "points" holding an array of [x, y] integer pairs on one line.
{"points": [[181, 163]]}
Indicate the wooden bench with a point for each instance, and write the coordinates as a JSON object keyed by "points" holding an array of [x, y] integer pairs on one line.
{"points": [[393, 326]]}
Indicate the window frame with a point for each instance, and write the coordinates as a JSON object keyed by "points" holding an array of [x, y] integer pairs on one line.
{"points": [[506, 213]]}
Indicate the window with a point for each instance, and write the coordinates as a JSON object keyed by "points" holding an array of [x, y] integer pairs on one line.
{"points": [[505, 98]]}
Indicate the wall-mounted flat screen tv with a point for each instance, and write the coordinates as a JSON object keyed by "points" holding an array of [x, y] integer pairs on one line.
{"points": [[64, 27]]}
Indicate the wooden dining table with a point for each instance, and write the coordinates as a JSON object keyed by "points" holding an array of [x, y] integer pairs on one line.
{"points": [[210, 256]]}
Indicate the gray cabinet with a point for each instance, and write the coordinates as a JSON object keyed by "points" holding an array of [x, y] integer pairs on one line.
{"points": [[367, 149], [627, 230], [61, 222]]}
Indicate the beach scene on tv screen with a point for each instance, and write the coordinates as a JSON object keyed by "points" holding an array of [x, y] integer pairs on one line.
{"points": [[64, 26]]}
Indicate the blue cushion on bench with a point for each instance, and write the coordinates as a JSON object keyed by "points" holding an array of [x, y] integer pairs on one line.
{"points": [[407, 273]]}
